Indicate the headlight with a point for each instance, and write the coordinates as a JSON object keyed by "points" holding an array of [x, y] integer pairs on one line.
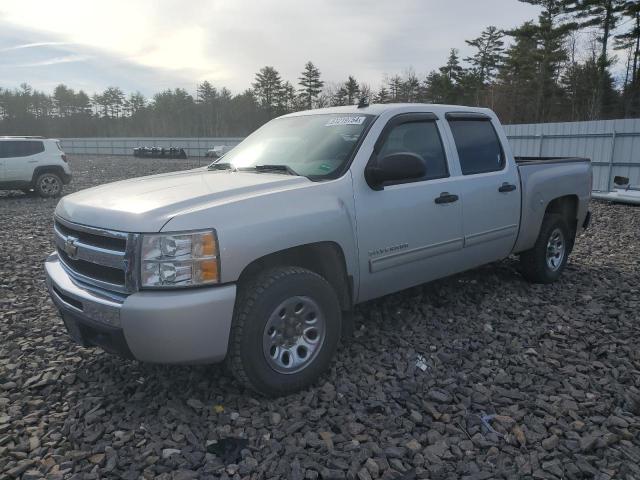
{"points": [[179, 259]]}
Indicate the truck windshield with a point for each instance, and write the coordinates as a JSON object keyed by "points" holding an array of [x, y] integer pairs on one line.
{"points": [[315, 146]]}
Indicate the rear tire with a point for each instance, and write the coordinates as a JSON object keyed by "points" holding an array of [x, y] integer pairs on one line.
{"points": [[547, 259], [48, 185], [286, 328]]}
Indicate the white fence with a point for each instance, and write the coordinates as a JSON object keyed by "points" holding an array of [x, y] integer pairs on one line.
{"points": [[195, 147], [612, 145]]}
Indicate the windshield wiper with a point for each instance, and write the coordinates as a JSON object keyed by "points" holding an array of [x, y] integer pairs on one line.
{"points": [[272, 168], [220, 166]]}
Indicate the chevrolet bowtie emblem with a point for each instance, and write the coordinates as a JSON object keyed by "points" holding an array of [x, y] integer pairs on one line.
{"points": [[70, 247]]}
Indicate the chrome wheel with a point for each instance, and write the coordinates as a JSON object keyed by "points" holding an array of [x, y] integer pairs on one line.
{"points": [[49, 185], [555, 249], [294, 335]]}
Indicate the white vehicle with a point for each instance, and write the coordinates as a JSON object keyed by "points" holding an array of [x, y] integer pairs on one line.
{"points": [[33, 163]]}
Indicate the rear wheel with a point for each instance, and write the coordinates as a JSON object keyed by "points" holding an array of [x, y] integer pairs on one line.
{"points": [[48, 185], [285, 330], [545, 262]]}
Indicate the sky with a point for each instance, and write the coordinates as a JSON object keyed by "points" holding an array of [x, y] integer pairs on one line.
{"points": [[150, 45]]}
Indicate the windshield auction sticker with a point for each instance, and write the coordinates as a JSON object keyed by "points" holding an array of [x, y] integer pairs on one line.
{"points": [[344, 121]]}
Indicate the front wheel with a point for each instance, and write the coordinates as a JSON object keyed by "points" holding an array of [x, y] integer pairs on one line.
{"points": [[48, 185], [286, 328], [545, 262]]}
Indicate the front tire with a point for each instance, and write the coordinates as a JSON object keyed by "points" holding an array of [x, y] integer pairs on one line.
{"points": [[286, 328], [547, 259], [48, 185]]}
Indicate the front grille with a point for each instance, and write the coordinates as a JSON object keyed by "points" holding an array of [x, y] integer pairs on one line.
{"points": [[93, 270], [98, 257]]}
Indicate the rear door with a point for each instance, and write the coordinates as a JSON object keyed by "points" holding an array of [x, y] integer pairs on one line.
{"points": [[406, 235], [24, 157], [490, 188]]}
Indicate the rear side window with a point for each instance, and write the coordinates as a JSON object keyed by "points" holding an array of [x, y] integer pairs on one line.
{"points": [[17, 148], [479, 148], [423, 139]]}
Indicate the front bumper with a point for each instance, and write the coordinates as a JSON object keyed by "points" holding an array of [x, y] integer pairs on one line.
{"points": [[173, 326]]}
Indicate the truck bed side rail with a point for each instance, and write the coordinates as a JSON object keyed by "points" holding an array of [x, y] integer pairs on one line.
{"points": [[535, 160]]}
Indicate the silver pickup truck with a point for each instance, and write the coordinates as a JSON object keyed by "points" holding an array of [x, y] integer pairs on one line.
{"points": [[258, 258]]}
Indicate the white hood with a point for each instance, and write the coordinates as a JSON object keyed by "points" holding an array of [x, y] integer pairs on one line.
{"points": [[146, 204]]}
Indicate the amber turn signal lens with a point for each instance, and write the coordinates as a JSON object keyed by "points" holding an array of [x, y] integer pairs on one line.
{"points": [[208, 244], [208, 270]]}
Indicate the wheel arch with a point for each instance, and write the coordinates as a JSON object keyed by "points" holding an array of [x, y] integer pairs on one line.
{"points": [[567, 206], [56, 169], [533, 214], [327, 259]]}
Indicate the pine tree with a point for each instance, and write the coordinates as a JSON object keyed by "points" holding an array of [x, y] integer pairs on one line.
{"points": [[517, 77], [605, 15], [340, 97], [452, 69], [551, 53], [489, 50], [267, 88], [287, 99], [353, 90], [206, 93], [629, 40], [311, 84], [382, 96]]}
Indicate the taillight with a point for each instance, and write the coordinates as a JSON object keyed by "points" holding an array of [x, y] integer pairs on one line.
{"points": [[64, 157]]}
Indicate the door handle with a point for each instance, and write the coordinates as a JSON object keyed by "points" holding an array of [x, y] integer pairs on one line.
{"points": [[446, 197], [507, 187]]}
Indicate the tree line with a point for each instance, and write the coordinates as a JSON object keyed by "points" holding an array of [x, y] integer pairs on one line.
{"points": [[539, 71]]}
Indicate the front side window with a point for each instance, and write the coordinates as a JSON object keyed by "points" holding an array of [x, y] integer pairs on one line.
{"points": [[478, 146], [423, 139], [315, 146]]}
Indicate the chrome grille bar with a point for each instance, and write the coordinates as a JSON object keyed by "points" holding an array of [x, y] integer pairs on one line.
{"points": [[90, 253]]}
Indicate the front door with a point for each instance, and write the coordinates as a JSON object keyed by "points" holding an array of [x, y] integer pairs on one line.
{"points": [[409, 232]]}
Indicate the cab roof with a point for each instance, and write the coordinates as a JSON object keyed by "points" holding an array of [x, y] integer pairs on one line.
{"points": [[381, 108]]}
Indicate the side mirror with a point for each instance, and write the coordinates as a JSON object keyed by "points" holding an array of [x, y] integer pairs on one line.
{"points": [[394, 167]]}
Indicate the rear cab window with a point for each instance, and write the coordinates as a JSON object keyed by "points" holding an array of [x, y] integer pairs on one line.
{"points": [[479, 148]]}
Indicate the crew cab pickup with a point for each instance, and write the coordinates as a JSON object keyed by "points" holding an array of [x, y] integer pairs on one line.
{"points": [[258, 258]]}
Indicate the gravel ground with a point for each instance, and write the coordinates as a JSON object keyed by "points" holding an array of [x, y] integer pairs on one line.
{"points": [[481, 375]]}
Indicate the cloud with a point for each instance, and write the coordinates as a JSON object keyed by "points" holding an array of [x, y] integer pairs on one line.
{"points": [[153, 44], [54, 61], [33, 45]]}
